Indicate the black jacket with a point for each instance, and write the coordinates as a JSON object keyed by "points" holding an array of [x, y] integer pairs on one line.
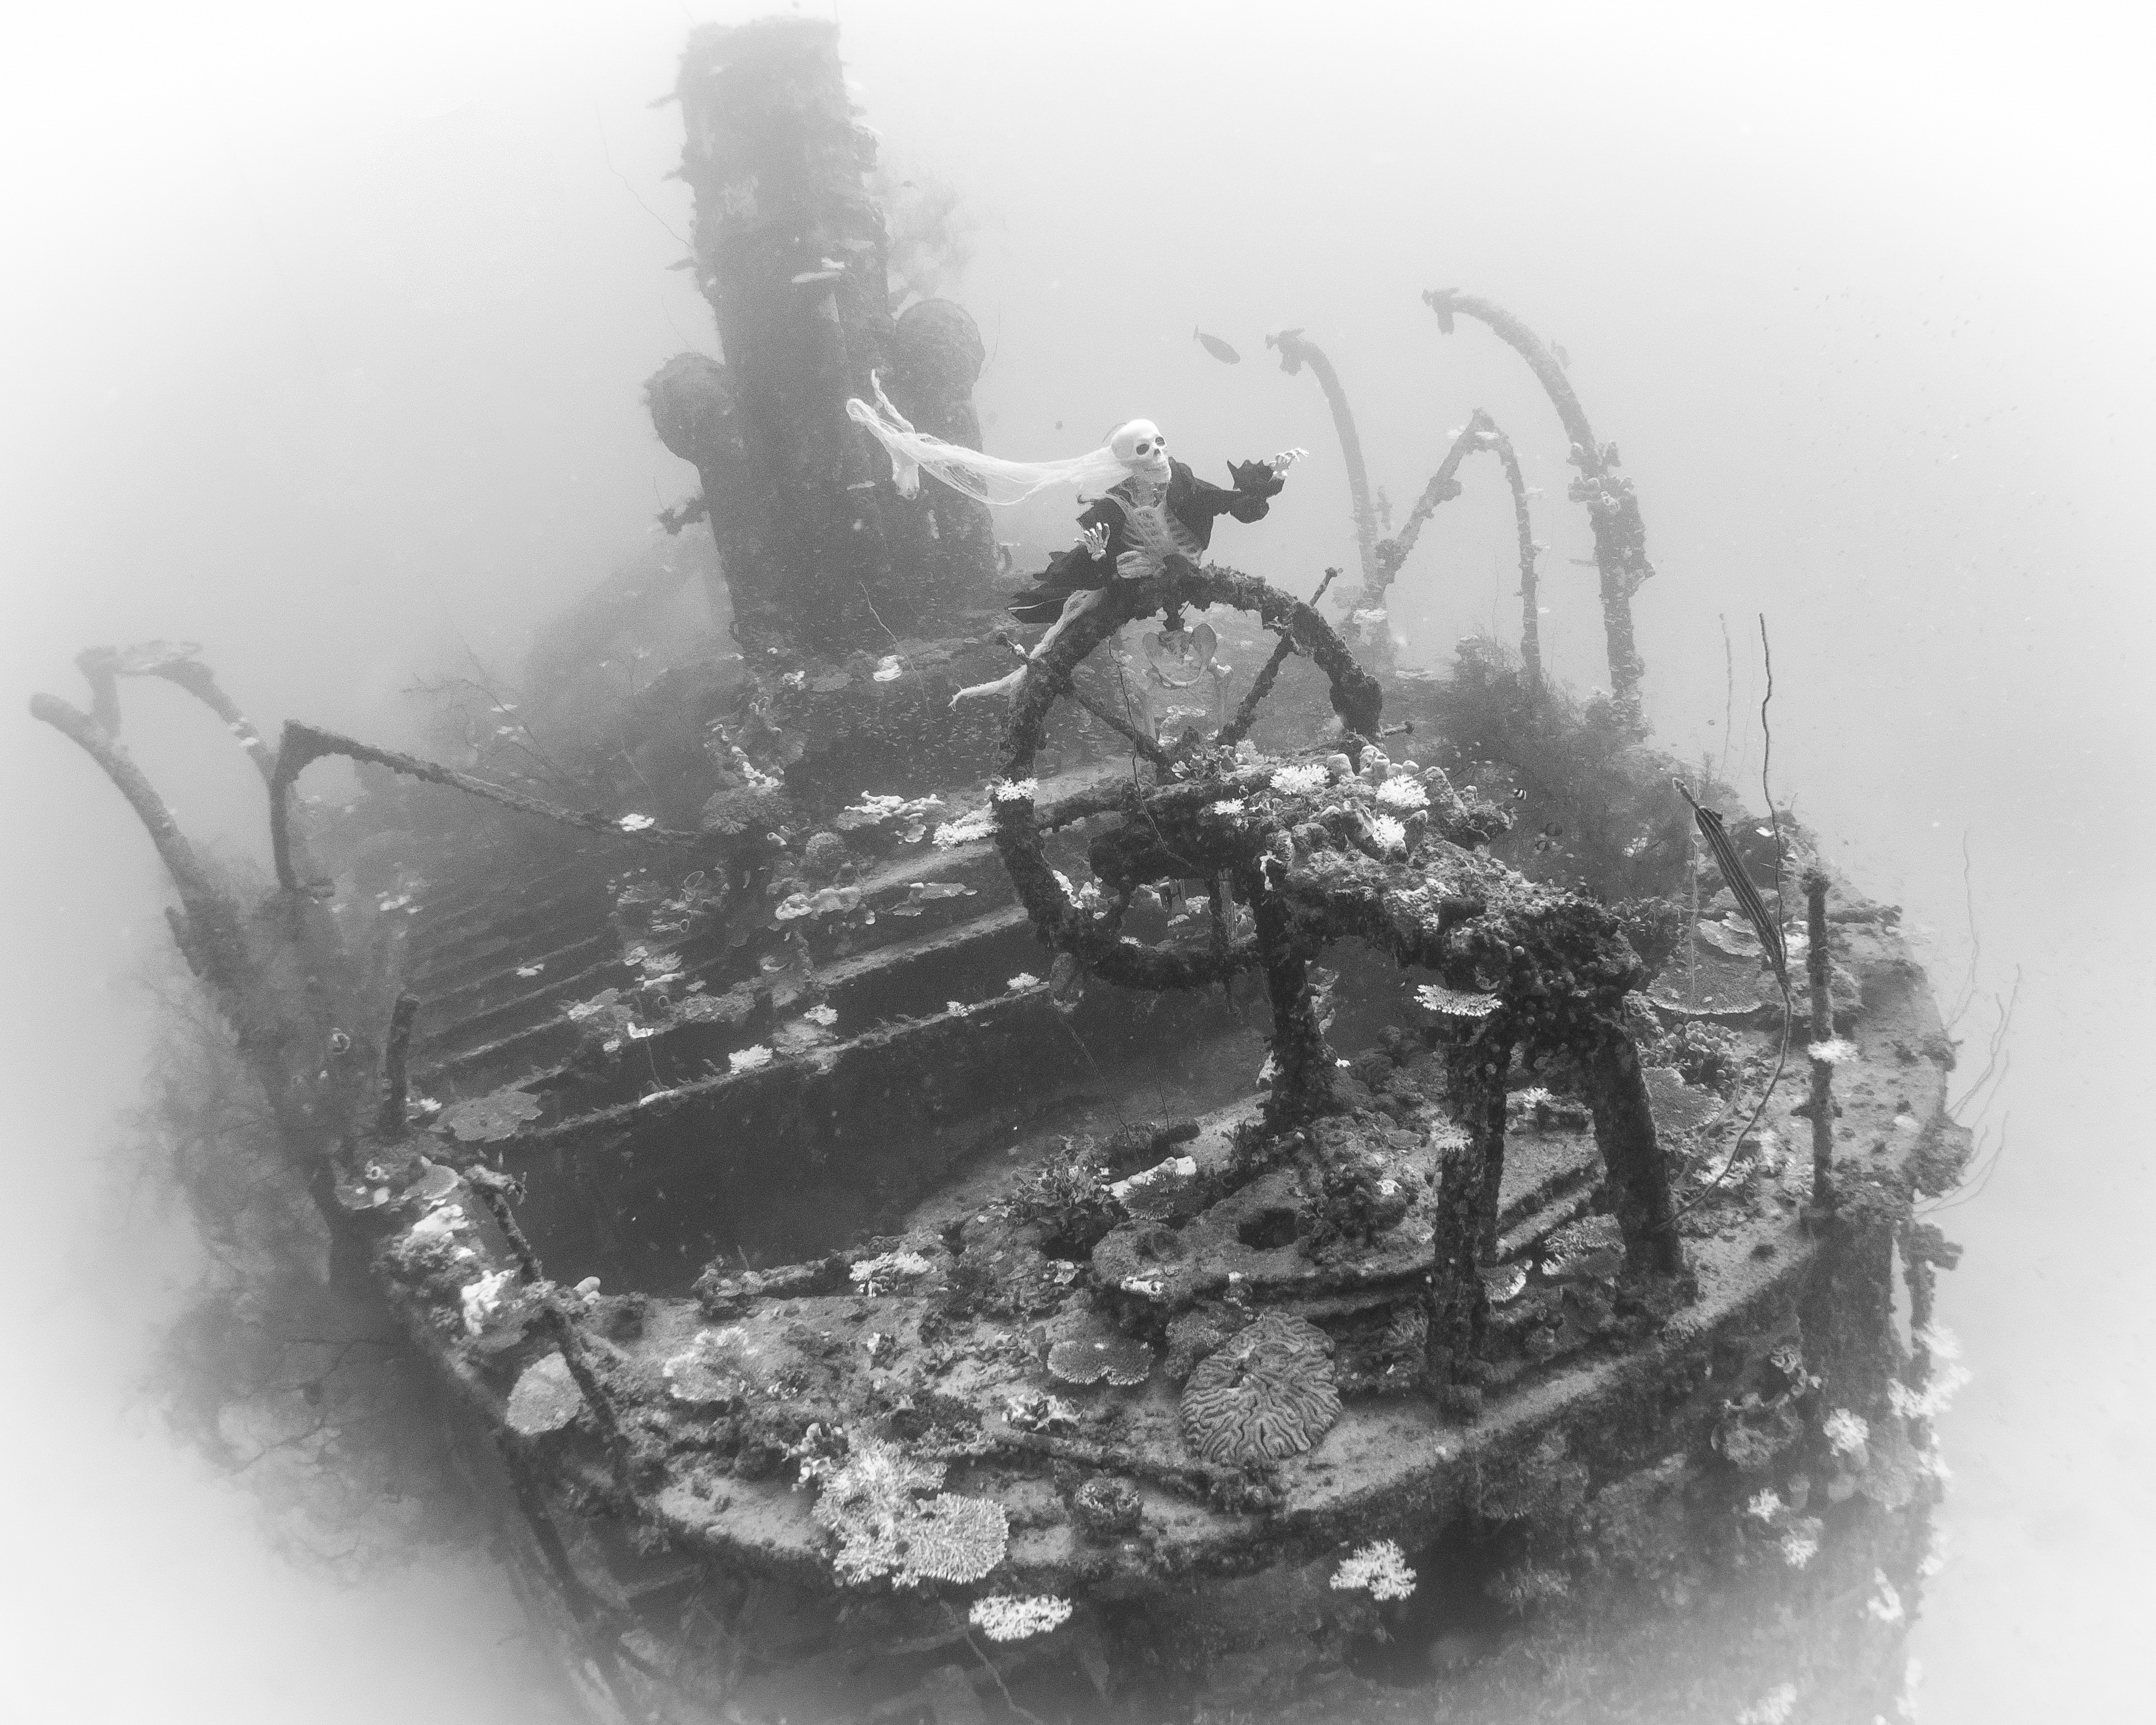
{"points": [[1193, 501]]}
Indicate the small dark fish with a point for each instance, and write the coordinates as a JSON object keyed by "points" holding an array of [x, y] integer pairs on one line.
{"points": [[1735, 876], [1519, 796], [1218, 348]]}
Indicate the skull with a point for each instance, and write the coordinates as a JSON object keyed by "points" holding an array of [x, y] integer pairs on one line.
{"points": [[1138, 445]]}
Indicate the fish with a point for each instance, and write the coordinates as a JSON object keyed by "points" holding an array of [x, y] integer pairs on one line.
{"points": [[1738, 880], [1218, 348]]}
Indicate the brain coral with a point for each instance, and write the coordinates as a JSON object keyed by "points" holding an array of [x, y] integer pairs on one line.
{"points": [[1268, 1393]]}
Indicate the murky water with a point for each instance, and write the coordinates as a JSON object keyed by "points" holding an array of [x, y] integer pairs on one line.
{"points": [[328, 357]]}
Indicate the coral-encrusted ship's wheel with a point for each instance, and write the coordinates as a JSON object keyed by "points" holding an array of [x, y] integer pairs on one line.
{"points": [[1183, 828], [1319, 851]]}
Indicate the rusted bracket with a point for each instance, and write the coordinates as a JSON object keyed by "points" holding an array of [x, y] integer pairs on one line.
{"points": [[396, 1087], [176, 662], [303, 745], [212, 937]]}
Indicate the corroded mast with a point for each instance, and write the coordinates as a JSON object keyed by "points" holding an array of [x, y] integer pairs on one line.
{"points": [[1613, 505], [790, 253], [1296, 351]]}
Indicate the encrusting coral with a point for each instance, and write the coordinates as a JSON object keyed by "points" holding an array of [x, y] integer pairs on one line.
{"points": [[1006, 1617], [1121, 1360]]}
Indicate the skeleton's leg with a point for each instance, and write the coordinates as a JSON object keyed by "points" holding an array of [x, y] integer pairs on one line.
{"points": [[1002, 686], [1074, 607]]}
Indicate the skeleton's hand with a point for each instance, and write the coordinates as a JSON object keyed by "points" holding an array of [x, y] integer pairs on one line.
{"points": [[1095, 541], [1285, 459]]}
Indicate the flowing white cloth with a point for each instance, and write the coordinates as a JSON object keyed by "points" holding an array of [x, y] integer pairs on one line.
{"points": [[986, 478]]}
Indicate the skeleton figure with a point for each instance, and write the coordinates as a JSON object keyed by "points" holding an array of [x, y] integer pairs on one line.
{"points": [[1145, 507]]}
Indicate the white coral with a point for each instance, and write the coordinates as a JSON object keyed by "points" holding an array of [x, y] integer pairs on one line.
{"points": [[1013, 1617], [749, 1059], [1834, 1051], [1766, 1506], [1379, 1569], [441, 1224], [1884, 1605], [871, 1275], [1798, 1548], [1455, 1003], [1386, 833], [964, 830], [1939, 1341], [1226, 805], [1174, 1169], [869, 1502], [1775, 1708], [483, 1298], [1846, 1432], [1933, 1399], [1300, 781], [1013, 790], [1402, 793]]}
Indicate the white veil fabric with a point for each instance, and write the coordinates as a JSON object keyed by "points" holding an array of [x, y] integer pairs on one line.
{"points": [[986, 478]]}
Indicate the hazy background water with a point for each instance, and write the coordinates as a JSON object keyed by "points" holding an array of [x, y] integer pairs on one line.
{"points": [[322, 330]]}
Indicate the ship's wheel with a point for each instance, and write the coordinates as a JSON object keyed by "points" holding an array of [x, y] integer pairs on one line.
{"points": [[1208, 815], [1189, 824]]}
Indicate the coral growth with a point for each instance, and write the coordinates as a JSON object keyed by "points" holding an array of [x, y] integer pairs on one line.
{"points": [[1009, 1617], [1105, 1507], [872, 1502], [1266, 1395], [1379, 1569], [1121, 1360]]}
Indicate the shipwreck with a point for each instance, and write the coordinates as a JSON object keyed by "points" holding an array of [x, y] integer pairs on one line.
{"points": [[1189, 1189]]}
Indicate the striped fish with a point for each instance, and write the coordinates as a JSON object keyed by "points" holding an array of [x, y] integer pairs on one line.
{"points": [[1739, 882]]}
